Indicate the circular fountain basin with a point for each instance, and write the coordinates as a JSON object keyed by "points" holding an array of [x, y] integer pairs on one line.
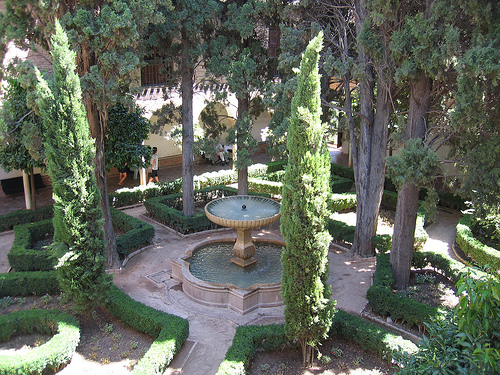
{"points": [[241, 296], [243, 211], [212, 263]]}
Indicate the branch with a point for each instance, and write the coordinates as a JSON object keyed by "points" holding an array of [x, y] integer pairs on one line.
{"points": [[343, 109], [18, 123]]}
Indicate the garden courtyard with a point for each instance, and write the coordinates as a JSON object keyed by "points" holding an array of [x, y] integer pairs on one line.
{"points": [[146, 277]]}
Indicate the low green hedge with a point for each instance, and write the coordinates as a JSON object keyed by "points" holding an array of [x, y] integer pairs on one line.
{"points": [[340, 184], [22, 256], [263, 186], [481, 254], [137, 233], [248, 339], [275, 166], [385, 302], [50, 356], [10, 220], [169, 331], [129, 196], [342, 171], [344, 201], [22, 284]]}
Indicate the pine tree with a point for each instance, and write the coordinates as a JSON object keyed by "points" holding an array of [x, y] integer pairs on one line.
{"points": [[78, 233], [308, 308]]}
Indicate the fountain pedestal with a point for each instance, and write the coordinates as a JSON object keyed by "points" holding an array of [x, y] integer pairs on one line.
{"points": [[244, 249]]}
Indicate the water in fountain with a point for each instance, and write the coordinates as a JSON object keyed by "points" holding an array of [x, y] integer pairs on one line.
{"points": [[212, 263]]}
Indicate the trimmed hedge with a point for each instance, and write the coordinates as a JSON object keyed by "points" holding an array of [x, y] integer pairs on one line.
{"points": [[342, 171], [340, 184], [137, 233], [10, 220], [22, 284], [385, 302], [275, 166], [248, 339], [169, 331], [481, 254], [53, 354], [129, 196], [22, 256], [263, 186], [344, 201]]}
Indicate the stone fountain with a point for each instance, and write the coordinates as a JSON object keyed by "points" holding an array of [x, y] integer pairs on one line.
{"points": [[209, 280], [243, 212]]}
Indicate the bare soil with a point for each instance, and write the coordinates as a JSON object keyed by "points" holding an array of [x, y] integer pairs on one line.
{"points": [[105, 341], [338, 357]]}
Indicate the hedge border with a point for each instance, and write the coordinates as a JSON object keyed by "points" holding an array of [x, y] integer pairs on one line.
{"points": [[481, 254], [53, 354], [385, 302], [23, 284], [169, 331], [248, 339], [22, 257], [10, 220], [137, 232]]}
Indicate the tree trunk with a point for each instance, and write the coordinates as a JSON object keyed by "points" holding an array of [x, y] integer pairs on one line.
{"points": [[403, 237], [369, 148], [97, 131], [33, 190], [187, 129], [407, 208], [243, 105]]}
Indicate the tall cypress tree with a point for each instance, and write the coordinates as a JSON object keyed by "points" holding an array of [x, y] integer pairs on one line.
{"points": [[308, 308], [78, 233]]}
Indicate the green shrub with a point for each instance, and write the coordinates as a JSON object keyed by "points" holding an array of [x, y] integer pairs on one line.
{"points": [[22, 284], [10, 220], [22, 256], [466, 341], [248, 339], [342, 171], [340, 184], [275, 166], [169, 331], [345, 201], [262, 186], [385, 302], [341, 231], [129, 196], [481, 254], [382, 242], [137, 233], [50, 356]]}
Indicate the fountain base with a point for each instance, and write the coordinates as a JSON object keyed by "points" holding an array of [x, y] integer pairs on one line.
{"points": [[244, 249], [241, 300]]}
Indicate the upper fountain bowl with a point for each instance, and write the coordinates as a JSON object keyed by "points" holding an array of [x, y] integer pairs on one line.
{"points": [[243, 211]]}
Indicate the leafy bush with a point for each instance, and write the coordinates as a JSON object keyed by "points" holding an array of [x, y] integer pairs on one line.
{"points": [[169, 331], [340, 184], [137, 233], [481, 254], [342, 171], [344, 201], [10, 220], [49, 356], [248, 339], [382, 242], [341, 231], [22, 255], [262, 186], [28, 283], [467, 340]]}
